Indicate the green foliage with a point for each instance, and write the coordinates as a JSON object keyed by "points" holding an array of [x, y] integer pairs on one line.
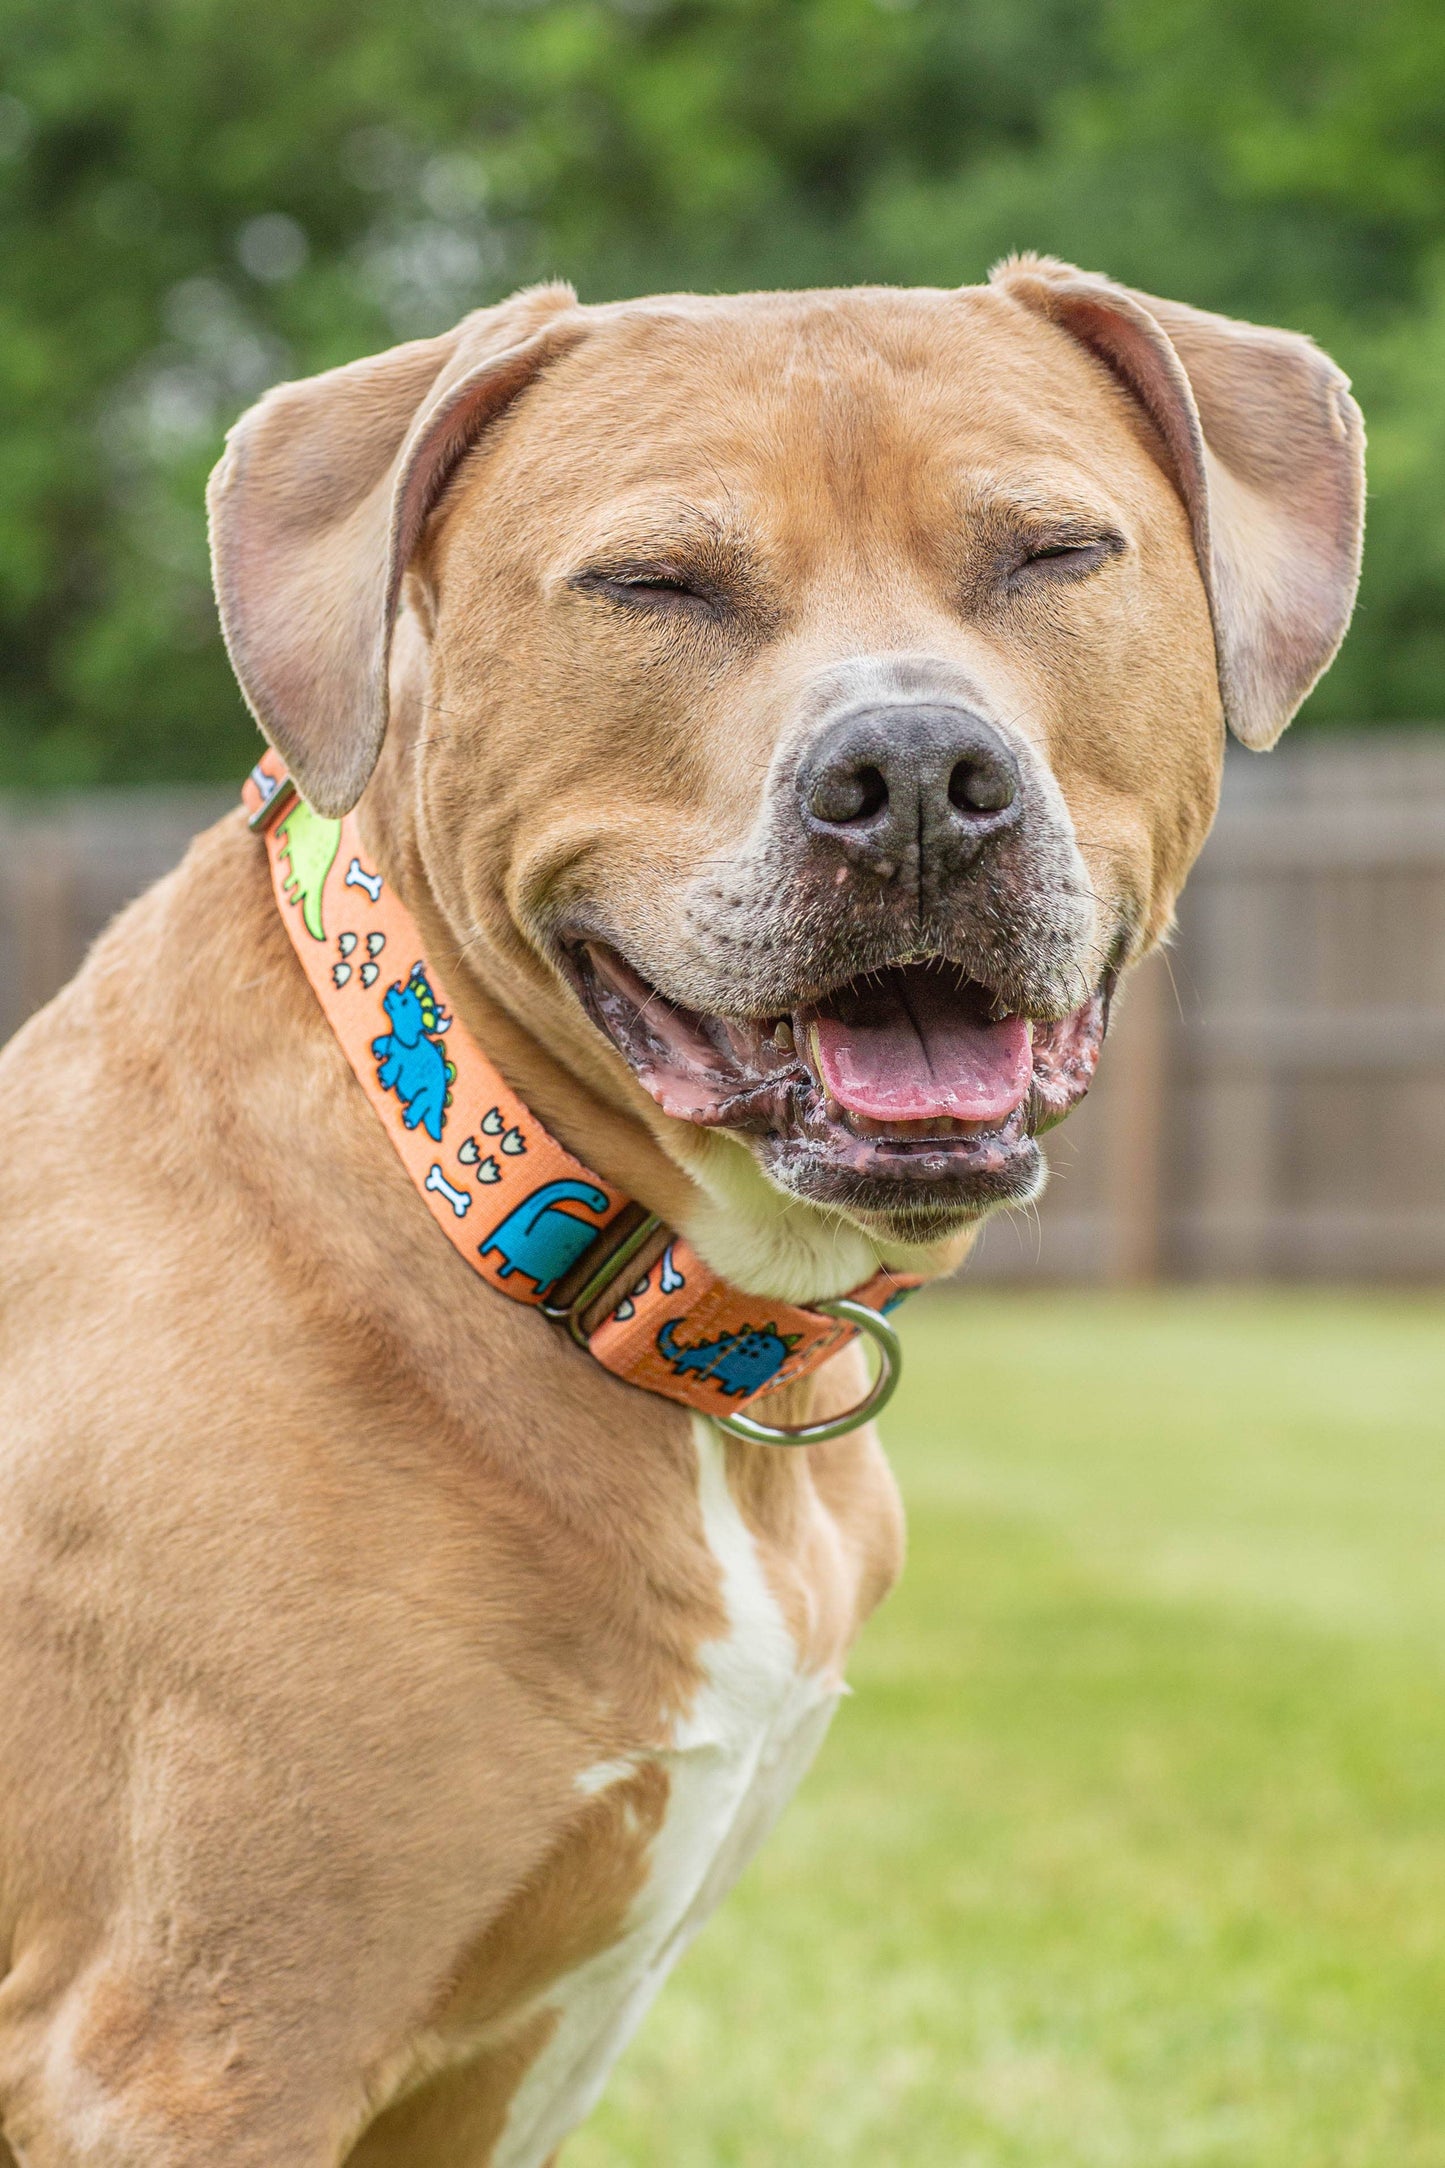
{"points": [[197, 199]]}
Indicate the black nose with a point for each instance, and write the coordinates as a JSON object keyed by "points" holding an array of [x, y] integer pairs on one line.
{"points": [[911, 790]]}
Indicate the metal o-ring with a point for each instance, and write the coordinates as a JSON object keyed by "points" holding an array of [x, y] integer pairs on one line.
{"points": [[890, 1368]]}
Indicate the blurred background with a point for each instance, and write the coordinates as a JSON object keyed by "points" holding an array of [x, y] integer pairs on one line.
{"points": [[1130, 1850], [198, 199]]}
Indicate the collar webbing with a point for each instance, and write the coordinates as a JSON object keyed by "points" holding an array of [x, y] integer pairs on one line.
{"points": [[528, 1218]]}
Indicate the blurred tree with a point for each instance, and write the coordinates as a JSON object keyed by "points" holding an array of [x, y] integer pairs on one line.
{"points": [[198, 199]]}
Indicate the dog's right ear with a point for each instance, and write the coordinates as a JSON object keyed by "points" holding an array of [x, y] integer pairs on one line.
{"points": [[316, 507]]}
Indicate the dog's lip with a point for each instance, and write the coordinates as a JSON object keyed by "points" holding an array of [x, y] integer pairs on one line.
{"points": [[763, 1075]]}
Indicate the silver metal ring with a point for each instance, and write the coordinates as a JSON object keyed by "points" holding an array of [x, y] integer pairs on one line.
{"points": [[884, 1336]]}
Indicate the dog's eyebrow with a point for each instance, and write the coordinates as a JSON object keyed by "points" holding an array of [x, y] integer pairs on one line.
{"points": [[714, 545], [666, 526], [1029, 503]]}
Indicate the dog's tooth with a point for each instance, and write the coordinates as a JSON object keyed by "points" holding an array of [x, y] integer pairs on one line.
{"points": [[783, 1038]]}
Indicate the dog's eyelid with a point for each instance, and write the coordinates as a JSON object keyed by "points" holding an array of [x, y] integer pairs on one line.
{"points": [[1056, 541], [635, 585], [1077, 550]]}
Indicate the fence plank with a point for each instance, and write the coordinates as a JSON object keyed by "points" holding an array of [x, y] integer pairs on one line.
{"points": [[1301, 1100], [1134, 1168]]}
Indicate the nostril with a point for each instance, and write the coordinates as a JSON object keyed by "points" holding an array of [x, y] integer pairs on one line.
{"points": [[849, 794], [872, 793], [981, 786]]}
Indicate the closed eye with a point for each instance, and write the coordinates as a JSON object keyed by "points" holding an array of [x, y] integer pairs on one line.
{"points": [[1067, 557], [649, 587]]}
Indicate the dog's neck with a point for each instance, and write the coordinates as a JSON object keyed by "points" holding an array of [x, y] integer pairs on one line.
{"points": [[704, 1183]]}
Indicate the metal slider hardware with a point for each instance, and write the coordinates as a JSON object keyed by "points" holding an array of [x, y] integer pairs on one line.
{"points": [[876, 1327], [271, 804], [611, 1263]]}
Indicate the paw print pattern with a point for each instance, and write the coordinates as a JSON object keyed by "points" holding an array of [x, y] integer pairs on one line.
{"points": [[513, 1142], [469, 1152], [370, 971], [341, 973]]}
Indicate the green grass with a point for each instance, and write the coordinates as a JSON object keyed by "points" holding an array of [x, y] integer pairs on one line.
{"points": [[1130, 1850]]}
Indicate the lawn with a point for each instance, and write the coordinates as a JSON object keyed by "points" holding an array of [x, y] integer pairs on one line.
{"points": [[1130, 1850]]}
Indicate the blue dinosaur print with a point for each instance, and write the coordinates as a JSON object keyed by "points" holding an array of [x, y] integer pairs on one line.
{"points": [[736, 1362], [412, 1063], [539, 1239]]}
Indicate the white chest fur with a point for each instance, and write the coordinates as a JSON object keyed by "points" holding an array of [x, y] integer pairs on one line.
{"points": [[732, 1763]]}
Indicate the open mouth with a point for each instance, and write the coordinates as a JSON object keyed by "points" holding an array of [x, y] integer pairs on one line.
{"points": [[911, 1092]]}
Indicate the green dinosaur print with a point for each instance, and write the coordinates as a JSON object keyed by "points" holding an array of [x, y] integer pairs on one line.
{"points": [[310, 845]]}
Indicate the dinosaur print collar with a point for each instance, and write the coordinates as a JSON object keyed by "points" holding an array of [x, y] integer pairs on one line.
{"points": [[527, 1217]]}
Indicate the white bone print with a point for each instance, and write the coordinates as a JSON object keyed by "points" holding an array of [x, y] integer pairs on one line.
{"points": [[358, 877], [458, 1199]]}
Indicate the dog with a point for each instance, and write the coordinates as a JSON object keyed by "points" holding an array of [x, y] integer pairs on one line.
{"points": [[786, 718]]}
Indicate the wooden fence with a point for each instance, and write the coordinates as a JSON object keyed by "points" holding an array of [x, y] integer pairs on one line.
{"points": [[1271, 1102], [1272, 1097]]}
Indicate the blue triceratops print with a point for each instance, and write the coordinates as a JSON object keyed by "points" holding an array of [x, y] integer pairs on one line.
{"points": [[412, 1060], [736, 1362], [540, 1239]]}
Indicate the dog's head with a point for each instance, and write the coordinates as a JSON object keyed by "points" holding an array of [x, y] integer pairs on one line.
{"points": [[813, 702]]}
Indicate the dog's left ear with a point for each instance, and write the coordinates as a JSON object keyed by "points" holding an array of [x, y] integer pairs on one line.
{"points": [[316, 507], [1267, 450]]}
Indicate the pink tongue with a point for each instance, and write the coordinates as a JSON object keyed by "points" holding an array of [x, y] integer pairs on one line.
{"points": [[911, 1052]]}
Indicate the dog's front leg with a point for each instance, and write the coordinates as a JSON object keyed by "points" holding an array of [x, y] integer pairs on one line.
{"points": [[114, 2082]]}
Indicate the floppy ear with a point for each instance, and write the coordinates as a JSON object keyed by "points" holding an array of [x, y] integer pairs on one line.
{"points": [[1267, 449], [316, 506]]}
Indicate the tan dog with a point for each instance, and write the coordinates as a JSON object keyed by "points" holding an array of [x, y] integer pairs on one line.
{"points": [[802, 708]]}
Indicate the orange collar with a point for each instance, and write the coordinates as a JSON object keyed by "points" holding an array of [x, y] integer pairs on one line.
{"points": [[528, 1218]]}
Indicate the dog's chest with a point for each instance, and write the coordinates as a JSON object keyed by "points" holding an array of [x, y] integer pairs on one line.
{"points": [[732, 1765]]}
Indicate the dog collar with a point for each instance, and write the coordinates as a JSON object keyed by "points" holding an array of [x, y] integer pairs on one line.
{"points": [[529, 1219]]}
